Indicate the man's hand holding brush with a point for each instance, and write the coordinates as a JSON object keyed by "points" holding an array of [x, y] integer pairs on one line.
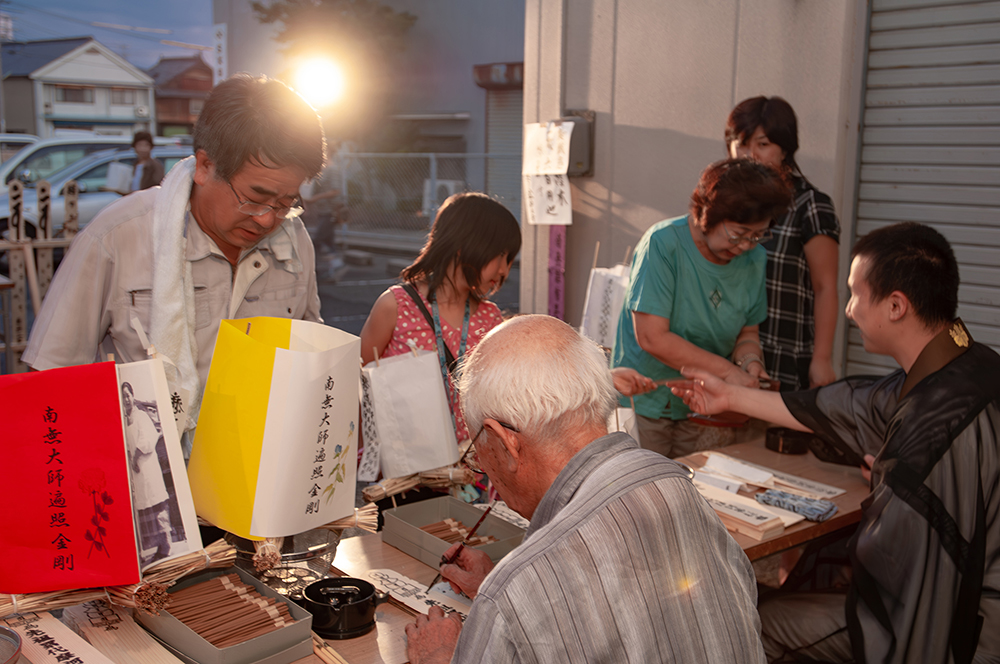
{"points": [[468, 571]]}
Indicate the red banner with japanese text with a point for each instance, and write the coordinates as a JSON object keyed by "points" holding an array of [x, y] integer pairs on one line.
{"points": [[68, 517]]}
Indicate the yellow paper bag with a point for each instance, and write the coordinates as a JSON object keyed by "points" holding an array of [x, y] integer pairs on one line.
{"points": [[275, 448]]}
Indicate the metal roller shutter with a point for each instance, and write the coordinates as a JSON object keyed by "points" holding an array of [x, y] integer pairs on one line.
{"points": [[504, 120], [930, 150]]}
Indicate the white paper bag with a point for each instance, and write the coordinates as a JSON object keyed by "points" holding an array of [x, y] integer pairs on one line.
{"points": [[412, 421], [119, 177], [623, 419], [605, 295]]}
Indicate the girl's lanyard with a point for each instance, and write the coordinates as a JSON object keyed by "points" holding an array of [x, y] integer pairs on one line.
{"points": [[461, 352]]}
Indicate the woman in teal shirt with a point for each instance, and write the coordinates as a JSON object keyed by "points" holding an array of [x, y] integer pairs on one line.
{"points": [[696, 297]]}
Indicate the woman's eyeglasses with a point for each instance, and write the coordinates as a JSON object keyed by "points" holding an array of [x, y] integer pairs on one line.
{"points": [[746, 237], [470, 458]]}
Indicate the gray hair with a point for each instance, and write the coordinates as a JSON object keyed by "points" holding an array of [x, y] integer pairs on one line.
{"points": [[259, 120], [538, 374]]}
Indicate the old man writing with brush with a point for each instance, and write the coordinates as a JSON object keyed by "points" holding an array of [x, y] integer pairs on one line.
{"points": [[623, 561], [925, 559]]}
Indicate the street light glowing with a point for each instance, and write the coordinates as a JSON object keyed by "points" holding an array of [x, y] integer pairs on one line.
{"points": [[320, 81]]}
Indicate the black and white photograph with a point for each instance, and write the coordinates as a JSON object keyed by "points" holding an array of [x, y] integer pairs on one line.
{"points": [[160, 492]]}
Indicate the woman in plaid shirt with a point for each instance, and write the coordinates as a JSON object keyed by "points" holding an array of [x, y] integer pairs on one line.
{"points": [[802, 306]]}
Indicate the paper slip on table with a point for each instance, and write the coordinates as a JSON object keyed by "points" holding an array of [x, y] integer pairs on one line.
{"points": [[806, 466]]}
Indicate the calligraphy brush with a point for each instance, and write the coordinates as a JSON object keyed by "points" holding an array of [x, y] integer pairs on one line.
{"points": [[458, 551]]}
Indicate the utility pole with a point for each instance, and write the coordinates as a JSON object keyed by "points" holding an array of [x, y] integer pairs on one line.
{"points": [[3, 115]]}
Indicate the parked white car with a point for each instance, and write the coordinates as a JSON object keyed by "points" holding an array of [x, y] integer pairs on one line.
{"points": [[11, 144], [40, 160], [91, 175]]}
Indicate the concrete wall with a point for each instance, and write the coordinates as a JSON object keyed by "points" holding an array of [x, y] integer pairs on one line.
{"points": [[662, 78]]}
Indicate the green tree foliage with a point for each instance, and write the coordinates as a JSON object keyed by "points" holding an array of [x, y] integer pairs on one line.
{"points": [[364, 36]]}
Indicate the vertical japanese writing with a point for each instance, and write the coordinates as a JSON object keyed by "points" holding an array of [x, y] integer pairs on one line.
{"points": [[320, 457], [176, 403], [557, 270], [30, 629], [52, 442]]}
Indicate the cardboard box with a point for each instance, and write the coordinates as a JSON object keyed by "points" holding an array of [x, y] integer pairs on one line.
{"points": [[281, 646], [403, 523]]}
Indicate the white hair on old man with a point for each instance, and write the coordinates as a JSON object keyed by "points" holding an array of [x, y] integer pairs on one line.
{"points": [[538, 374]]}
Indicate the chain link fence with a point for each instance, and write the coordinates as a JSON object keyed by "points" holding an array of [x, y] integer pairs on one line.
{"points": [[397, 195]]}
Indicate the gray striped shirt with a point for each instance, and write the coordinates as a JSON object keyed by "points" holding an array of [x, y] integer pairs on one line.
{"points": [[624, 562]]}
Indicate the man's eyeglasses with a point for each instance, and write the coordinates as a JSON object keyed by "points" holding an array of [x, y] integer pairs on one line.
{"points": [[471, 458], [746, 237], [260, 209]]}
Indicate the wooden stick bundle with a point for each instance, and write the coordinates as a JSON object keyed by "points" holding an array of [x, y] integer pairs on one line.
{"points": [[225, 611], [365, 518], [453, 531], [40, 602], [148, 595], [447, 477], [267, 553], [390, 487], [325, 652]]}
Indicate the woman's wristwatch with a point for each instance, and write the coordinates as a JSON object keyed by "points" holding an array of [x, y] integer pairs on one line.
{"points": [[745, 360]]}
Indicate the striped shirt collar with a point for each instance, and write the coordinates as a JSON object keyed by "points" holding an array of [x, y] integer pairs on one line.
{"points": [[573, 475]]}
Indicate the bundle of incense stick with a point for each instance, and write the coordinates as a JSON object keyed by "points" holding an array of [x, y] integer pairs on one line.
{"points": [[148, 595], [325, 652], [453, 531], [225, 611], [267, 553], [365, 518], [390, 487], [39, 602], [449, 476]]}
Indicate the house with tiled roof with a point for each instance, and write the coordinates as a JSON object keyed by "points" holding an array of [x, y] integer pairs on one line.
{"points": [[182, 84], [75, 83]]}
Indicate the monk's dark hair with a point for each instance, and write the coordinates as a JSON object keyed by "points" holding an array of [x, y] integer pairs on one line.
{"points": [[917, 261], [741, 191]]}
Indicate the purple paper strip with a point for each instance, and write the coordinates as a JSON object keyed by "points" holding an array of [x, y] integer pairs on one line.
{"points": [[557, 270]]}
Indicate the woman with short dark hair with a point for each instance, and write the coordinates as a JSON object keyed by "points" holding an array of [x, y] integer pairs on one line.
{"points": [[797, 336], [696, 296]]}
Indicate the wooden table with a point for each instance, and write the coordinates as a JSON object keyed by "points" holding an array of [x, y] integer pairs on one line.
{"points": [[807, 466], [386, 644]]}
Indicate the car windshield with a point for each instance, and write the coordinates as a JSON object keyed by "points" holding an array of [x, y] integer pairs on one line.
{"points": [[42, 163], [74, 166], [9, 148]]}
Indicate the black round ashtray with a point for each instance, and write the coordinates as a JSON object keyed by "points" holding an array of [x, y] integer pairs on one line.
{"points": [[342, 608], [787, 441]]}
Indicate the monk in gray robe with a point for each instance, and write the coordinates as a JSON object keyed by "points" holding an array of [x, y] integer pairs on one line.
{"points": [[925, 558]]}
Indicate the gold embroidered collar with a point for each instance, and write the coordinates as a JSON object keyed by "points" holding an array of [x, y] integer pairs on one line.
{"points": [[942, 349]]}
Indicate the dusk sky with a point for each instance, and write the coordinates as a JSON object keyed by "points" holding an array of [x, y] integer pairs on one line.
{"points": [[188, 21]]}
